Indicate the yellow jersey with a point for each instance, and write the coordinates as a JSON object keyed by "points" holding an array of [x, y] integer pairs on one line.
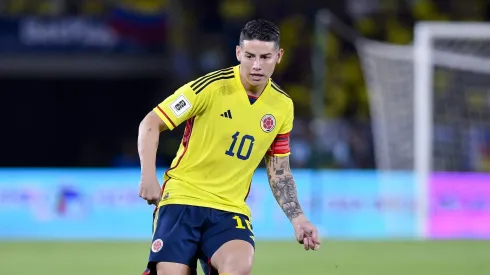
{"points": [[225, 138]]}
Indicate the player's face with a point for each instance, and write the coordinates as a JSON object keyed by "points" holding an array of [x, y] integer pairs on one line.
{"points": [[258, 60]]}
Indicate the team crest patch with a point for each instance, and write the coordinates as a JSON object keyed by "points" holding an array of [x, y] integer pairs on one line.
{"points": [[157, 245], [268, 123]]}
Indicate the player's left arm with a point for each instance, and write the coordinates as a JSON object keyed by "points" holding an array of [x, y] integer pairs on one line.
{"points": [[283, 186], [284, 189], [279, 172]]}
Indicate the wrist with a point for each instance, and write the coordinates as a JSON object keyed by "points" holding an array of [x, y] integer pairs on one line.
{"points": [[299, 218], [148, 177], [148, 167]]}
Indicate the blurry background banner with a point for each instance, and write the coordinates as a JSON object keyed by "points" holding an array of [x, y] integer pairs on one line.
{"points": [[103, 204], [114, 35], [85, 38], [459, 206], [83, 26]]}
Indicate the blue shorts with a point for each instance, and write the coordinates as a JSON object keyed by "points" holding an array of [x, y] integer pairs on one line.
{"points": [[185, 234]]}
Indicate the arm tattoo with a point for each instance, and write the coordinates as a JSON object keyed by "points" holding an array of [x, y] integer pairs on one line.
{"points": [[283, 186]]}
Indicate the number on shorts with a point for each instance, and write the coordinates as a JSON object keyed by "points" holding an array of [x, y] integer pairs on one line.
{"points": [[239, 223]]}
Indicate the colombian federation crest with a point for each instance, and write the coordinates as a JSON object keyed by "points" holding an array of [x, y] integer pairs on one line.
{"points": [[157, 245], [268, 123]]}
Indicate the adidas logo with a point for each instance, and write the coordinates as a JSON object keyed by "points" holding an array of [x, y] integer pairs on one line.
{"points": [[226, 114]]}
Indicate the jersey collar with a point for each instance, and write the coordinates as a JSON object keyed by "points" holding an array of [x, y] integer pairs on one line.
{"points": [[236, 71]]}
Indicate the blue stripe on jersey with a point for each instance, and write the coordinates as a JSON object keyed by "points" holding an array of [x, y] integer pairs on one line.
{"points": [[252, 99]]}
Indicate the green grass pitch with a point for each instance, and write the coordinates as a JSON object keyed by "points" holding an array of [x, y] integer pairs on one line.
{"points": [[272, 258]]}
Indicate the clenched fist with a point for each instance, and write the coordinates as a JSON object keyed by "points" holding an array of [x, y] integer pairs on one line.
{"points": [[150, 191]]}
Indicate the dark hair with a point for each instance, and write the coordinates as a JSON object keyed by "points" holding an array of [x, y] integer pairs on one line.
{"points": [[260, 29]]}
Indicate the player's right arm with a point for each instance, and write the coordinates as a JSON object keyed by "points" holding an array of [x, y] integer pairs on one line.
{"points": [[148, 137], [175, 109]]}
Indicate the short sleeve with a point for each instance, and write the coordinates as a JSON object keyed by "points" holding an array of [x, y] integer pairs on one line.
{"points": [[280, 146], [181, 105], [287, 125]]}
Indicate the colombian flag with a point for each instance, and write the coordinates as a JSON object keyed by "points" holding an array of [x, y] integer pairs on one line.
{"points": [[140, 21]]}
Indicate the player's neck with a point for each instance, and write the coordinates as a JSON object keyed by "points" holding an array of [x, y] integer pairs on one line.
{"points": [[255, 91]]}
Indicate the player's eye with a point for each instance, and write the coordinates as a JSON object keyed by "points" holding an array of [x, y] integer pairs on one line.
{"points": [[248, 56], [266, 57]]}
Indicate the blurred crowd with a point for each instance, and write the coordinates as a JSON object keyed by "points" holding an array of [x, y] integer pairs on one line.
{"points": [[200, 36]]}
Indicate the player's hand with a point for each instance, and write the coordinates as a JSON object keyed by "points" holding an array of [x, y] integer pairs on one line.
{"points": [[306, 233], [150, 191]]}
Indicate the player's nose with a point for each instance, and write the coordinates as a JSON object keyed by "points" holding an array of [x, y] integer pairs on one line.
{"points": [[256, 66]]}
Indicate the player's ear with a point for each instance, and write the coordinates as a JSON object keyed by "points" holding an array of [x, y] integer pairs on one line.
{"points": [[280, 53], [238, 53]]}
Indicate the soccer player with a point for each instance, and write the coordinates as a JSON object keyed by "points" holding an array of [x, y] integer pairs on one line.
{"points": [[234, 117]]}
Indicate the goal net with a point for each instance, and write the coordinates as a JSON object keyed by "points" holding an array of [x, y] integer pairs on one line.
{"points": [[430, 101], [430, 107]]}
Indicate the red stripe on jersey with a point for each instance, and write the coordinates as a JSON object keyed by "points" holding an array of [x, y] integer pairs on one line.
{"points": [[280, 145], [160, 109], [185, 142]]}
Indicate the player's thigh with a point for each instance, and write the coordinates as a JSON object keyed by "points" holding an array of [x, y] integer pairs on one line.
{"points": [[234, 257], [206, 267], [175, 239], [229, 243]]}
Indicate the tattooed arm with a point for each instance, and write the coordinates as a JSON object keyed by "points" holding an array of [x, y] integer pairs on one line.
{"points": [[148, 136], [284, 190], [283, 186]]}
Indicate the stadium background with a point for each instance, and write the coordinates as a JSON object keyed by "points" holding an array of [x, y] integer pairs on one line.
{"points": [[76, 78]]}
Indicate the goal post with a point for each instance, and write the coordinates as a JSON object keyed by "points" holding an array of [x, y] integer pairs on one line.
{"points": [[422, 120], [420, 98], [426, 57], [429, 103]]}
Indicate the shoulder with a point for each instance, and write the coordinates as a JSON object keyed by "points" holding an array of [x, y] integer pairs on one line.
{"points": [[281, 94], [213, 80]]}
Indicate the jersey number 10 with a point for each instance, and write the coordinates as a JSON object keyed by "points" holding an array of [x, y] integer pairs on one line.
{"points": [[239, 153]]}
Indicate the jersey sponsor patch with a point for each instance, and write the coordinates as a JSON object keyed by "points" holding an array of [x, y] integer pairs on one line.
{"points": [[157, 245], [268, 123], [180, 106]]}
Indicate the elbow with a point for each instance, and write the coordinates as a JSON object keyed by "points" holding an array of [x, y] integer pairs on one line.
{"points": [[147, 123], [152, 121], [144, 123]]}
